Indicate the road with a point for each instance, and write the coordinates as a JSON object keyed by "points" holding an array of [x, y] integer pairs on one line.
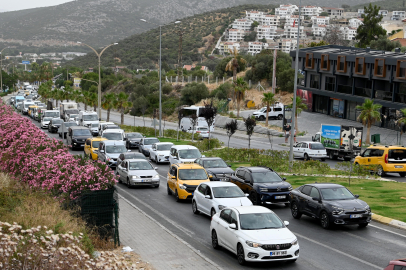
{"points": [[340, 248]]}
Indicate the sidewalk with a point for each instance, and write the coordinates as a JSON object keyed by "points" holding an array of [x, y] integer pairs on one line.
{"points": [[156, 244]]}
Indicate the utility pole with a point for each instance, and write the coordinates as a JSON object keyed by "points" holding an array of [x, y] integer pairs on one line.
{"points": [[274, 71], [180, 67]]}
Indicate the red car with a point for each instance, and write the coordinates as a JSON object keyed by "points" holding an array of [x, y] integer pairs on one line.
{"points": [[399, 264]]}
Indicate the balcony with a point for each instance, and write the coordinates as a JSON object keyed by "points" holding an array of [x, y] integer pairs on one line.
{"points": [[384, 95], [345, 89], [362, 92]]}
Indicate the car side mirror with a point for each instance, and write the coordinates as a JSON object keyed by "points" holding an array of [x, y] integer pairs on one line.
{"points": [[247, 181], [228, 165], [356, 196], [125, 139], [155, 168], [284, 179], [173, 177], [101, 151], [207, 197], [210, 176], [316, 199], [232, 226], [246, 194], [286, 223]]}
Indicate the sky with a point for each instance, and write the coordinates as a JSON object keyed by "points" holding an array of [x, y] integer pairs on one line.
{"points": [[26, 4]]}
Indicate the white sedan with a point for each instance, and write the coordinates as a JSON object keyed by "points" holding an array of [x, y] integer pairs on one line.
{"points": [[159, 152], [202, 131], [255, 234], [211, 197], [309, 150]]}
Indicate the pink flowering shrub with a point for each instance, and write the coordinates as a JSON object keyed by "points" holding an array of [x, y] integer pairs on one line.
{"points": [[45, 163]]}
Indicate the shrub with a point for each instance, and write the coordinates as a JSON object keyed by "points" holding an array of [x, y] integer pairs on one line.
{"points": [[204, 145]]}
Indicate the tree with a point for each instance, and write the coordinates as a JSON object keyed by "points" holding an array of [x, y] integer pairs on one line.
{"points": [[141, 105], [370, 29], [253, 25], [268, 98], [384, 44], [233, 64], [193, 122], [316, 44], [122, 104], [251, 36], [86, 98], [300, 106], [250, 123], [231, 128], [401, 122], [108, 103], [370, 113], [209, 113], [192, 93], [324, 14], [93, 101], [240, 86], [334, 35]]}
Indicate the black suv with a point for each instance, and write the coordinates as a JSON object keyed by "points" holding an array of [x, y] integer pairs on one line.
{"points": [[331, 204], [216, 167], [262, 184]]}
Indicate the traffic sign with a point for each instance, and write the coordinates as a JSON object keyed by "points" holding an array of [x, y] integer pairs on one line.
{"points": [[26, 62]]}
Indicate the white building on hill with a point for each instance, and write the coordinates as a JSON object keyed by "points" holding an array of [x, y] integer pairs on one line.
{"points": [[235, 34], [242, 24], [320, 20], [291, 32], [319, 30], [311, 11], [266, 31], [256, 47]]}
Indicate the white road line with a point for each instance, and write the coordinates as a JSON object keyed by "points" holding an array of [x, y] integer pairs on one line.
{"points": [[386, 230], [340, 252]]}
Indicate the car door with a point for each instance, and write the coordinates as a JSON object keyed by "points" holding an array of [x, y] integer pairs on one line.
{"points": [[303, 198], [365, 158], [230, 236], [87, 147], [119, 170], [199, 197], [173, 157], [224, 222], [314, 206], [152, 153], [248, 183], [303, 149], [239, 178], [376, 157], [207, 203], [296, 149], [124, 170], [171, 180]]}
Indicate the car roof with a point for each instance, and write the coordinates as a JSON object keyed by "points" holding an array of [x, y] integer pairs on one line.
{"points": [[257, 169], [220, 184], [180, 147], [98, 139], [325, 185], [78, 127], [379, 146], [251, 209], [210, 158], [113, 142], [182, 166], [137, 159], [398, 262], [161, 143], [113, 131], [133, 153]]}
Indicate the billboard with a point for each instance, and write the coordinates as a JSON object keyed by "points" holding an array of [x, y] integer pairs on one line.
{"points": [[330, 136], [26, 62], [76, 82]]}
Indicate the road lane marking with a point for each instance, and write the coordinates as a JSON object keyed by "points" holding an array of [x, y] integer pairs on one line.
{"points": [[340, 252], [386, 230]]}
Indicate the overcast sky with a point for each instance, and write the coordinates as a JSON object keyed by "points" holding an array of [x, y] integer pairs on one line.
{"points": [[26, 4]]}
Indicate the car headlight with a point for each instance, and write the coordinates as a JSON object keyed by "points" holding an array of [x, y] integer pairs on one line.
{"points": [[290, 188], [135, 177], [253, 244], [160, 155], [337, 210], [156, 176], [367, 209], [262, 189], [294, 242], [182, 187], [221, 207]]}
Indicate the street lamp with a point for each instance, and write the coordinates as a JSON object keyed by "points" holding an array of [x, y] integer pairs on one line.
{"points": [[99, 84], [1, 71], [160, 71]]}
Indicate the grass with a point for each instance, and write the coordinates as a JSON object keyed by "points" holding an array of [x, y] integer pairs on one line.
{"points": [[383, 197], [180, 142]]}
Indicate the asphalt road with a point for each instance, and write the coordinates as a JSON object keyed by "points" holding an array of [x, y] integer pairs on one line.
{"points": [[340, 248]]}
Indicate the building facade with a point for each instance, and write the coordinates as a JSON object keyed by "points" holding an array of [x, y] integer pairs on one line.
{"points": [[320, 20], [334, 12], [398, 15], [242, 24], [266, 31], [256, 47], [337, 79]]}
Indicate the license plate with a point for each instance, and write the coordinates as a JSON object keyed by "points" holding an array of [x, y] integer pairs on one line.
{"points": [[278, 253], [280, 197], [193, 193], [146, 180], [398, 167], [356, 216]]}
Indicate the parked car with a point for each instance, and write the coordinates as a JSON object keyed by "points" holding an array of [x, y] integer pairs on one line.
{"points": [[310, 150], [45, 122], [383, 158], [138, 172], [130, 155], [92, 147], [199, 130], [254, 234], [63, 128], [275, 112], [159, 152], [183, 179], [331, 204], [399, 264], [216, 167], [184, 154], [54, 125], [262, 184], [212, 197], [76, 136], [146, 144], [132, 139], [109, 151]]}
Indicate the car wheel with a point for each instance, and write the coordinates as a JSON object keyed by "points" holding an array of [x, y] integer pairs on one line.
{"points": [[306, 157], [156, 160], [324, 220], [128, 182], [168, 190], [332, 156], [254, 198], [177, 196], [261, 118], [194, 208], [402, 174], [280, 117], [380, 172], [212, 212], [323, 159], [214, 240], [295, 211], [240, 254], [363, 225], [90, 157]]}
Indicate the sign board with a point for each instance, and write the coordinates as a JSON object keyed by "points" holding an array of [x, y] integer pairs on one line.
{"points": [[26, 62], [330, 136], [76, 82]]}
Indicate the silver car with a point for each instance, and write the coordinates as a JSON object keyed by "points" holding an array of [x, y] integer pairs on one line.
{"points": [[137, 172], [146, 144]]}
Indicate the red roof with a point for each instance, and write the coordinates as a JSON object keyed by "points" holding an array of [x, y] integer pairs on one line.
{"points": [[401, 40]]}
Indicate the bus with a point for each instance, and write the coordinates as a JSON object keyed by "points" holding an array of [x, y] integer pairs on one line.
{"points": [[187, 112]]}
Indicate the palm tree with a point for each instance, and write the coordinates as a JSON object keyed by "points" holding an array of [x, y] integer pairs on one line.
{"points": [[370, 113], [268, 98], [86, 97], [108, 103], [122, 104], [401, 123], [300, 106], [93, 101], [233, 65], [76, 95], [240, 86]]}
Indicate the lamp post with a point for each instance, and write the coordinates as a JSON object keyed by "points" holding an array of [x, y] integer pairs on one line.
{"points": [[1, 70], [99, 84], [160, 72]]}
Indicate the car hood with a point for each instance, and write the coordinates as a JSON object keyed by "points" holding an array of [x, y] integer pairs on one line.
{"points": [[143, 172], [269, 236], [147, 146], [90, 122], [230, 202], [165, 153], [257, 112], [225, 170], [281, 184], [80, 137], [57, 125], [113, 155], [349, 204], [135, 140]]}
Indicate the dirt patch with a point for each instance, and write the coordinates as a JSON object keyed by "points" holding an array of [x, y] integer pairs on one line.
{"points": [[133, 259]]}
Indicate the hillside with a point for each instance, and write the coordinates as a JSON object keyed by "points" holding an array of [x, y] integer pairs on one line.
{"points": [[100, 22], [390, 5]]}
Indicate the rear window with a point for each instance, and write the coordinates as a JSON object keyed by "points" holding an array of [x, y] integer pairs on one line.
{"points": [[396, 155], [316, 146]]}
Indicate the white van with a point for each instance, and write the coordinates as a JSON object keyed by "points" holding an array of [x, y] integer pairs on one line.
{"points": [[102, 124], [113, 134], [184, 154], [26, 104], [87, 117]]}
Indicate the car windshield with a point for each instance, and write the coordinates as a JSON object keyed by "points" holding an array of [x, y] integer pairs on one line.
{"points": [[260, 221], [82, 132], [203, 129], [135, 156], [340, 193], [215, 163], [69, 124], [41, 104], [57, 121], [140, 165], [164, 147], [95, 144], [95, 125], [189, 154], [192, 174], [115, 149], [92, 117], [265, 177], [263, 110], [112, 136], [134, 135], [27, 105], [316, 146], [52, 114], [72, 115], [227, 192], [47, 119], [112, 127], [150, 141]]}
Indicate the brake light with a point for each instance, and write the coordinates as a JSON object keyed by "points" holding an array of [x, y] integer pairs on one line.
{"points": [[386, 158], [198, 131], [310, 146]]}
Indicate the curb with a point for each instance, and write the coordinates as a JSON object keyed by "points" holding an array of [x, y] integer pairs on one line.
{"points": [[389, 221]]}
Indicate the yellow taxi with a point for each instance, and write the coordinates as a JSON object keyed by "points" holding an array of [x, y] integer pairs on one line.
{"points": [[92, 147], [183, 179], [385, 158]]}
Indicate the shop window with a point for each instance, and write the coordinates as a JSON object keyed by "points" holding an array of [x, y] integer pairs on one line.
{"points": [[309, 60], [325, 63], [380, 68], [401, 69], [314, 81], [341, 64], [360, 66]]}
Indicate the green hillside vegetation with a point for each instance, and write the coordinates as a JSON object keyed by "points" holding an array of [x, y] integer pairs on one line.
{"points": [[389, 5]]}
